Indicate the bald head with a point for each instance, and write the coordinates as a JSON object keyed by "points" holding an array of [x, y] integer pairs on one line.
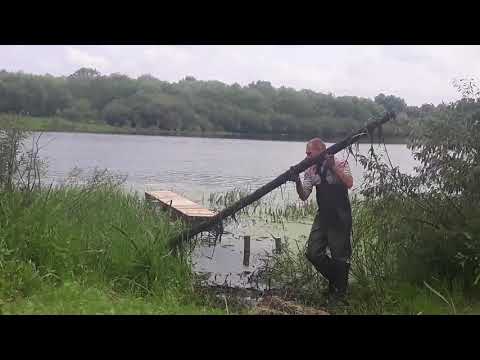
{"points": [[315, 147], [316, 144]]}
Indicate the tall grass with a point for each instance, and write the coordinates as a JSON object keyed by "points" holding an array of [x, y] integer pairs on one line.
{"points": [[91, 235]]}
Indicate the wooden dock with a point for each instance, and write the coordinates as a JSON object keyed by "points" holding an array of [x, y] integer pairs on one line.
{"points": [[179, 206]]}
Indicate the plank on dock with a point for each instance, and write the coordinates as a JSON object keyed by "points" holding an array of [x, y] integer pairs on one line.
{"points": [[182, 206]]}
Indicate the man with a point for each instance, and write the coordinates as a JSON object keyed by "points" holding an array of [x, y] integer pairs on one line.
{"points": [[333, 222]]}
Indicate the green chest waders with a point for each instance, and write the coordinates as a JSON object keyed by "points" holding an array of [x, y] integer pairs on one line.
{"points": [[332, 228]]}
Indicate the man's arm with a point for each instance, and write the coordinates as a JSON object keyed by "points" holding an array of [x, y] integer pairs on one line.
{"points": [[304, 190], [300, 192], [342, 170]]}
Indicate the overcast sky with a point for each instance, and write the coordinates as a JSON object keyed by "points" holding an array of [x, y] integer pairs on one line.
{"points": [[419, 74]]}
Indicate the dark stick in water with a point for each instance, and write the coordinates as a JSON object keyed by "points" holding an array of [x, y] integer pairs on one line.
{"points": [[280, 180]]}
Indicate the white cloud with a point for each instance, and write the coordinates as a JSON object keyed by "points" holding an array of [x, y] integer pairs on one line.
{"points": [[83, 58], [167, 53]]}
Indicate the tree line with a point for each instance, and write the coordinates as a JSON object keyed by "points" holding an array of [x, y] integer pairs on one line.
{"points": [[191, 105]]}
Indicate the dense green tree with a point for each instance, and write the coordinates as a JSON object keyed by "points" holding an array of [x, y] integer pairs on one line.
{"points": [[117, 113], [84, 74], [391, 103], [195, 105], [80, 110]]}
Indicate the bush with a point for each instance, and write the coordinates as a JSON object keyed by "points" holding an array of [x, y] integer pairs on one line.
{"points": [[428, 223]]}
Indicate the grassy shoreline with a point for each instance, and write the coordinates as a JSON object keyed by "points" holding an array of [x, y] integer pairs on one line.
{"points": [[92, 127], [94, 249], [98, 250], [90, 249]]}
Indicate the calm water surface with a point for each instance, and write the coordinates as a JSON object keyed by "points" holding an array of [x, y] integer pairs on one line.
{"points": [[191, 166]]}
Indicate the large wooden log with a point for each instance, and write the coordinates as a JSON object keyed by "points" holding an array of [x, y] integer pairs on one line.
{"points": [[278, 181]]}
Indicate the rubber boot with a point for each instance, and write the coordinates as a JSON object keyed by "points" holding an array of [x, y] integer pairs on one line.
{"points": [[342, 269], [326, 267], [331, 289]]}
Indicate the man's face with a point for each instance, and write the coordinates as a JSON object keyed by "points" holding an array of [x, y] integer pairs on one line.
{"points": [[313, 150]]}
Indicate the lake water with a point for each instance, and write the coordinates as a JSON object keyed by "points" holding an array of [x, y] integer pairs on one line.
{"points": [[196, 167], [187, 165]]}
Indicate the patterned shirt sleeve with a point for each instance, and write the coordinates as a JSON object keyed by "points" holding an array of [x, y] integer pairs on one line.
{"points": [[308, 182]]}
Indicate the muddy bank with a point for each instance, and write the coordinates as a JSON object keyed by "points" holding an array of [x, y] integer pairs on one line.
{"points": [[257, 302]]}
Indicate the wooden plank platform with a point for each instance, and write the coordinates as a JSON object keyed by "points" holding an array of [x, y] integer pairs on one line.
{"points": [[180, 206]]}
